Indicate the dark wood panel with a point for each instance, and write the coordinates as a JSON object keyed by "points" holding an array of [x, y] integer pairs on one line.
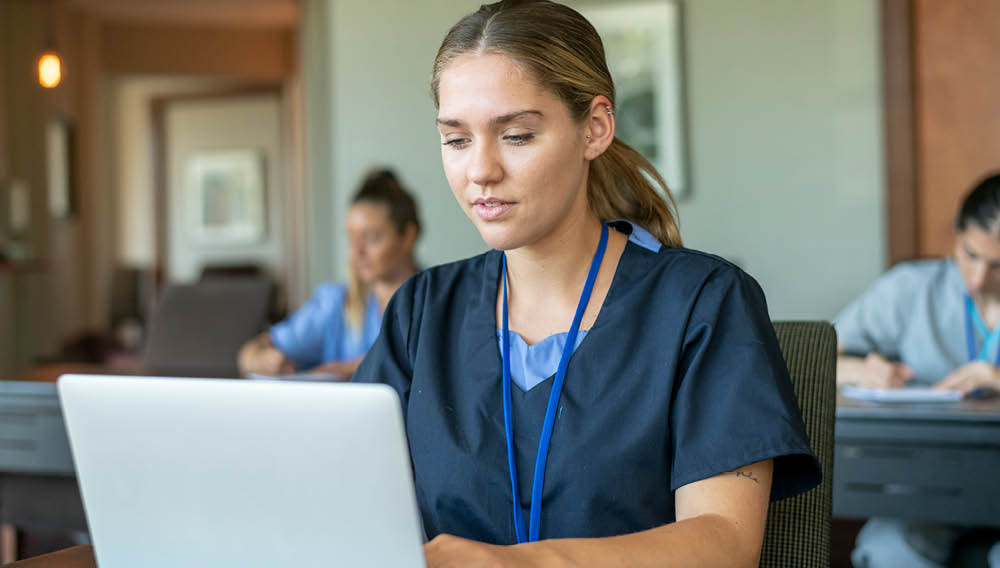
{"points": [[257, 53], [897, 84], [957, 95]]}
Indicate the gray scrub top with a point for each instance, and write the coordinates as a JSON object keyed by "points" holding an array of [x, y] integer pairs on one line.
{"points": [[914, 313]]}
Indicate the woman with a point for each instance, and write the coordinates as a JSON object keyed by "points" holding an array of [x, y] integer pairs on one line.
{"points": [[933, 319], [930, 323], [332, 332], [670, 420]]}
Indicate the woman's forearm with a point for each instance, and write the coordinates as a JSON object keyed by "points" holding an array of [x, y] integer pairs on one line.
{"points": [[850, 369], [704, 541]]}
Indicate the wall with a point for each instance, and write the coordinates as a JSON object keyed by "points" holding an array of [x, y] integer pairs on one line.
{"points": [[786, 147], [785, 136], [129, 99], [195, 126]]}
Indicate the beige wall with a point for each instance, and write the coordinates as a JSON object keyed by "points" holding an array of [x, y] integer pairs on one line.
{"points": [[229, 123], [129, 99]]}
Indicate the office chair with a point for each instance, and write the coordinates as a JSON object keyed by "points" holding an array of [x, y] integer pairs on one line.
{"points": [[197, 329], [798, 528]]}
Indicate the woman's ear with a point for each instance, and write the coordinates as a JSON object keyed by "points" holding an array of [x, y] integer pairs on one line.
{"points": [[599, 128]]}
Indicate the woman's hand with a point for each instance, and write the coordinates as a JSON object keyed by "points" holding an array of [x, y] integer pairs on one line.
{"points": [[972, 376], [343, 370], [879, 372], [447, 551], [259, 355]]}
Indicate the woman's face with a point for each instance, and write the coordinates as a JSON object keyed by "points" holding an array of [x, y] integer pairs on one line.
{"points": [[977, 254], [513, 155], [378, 250]]}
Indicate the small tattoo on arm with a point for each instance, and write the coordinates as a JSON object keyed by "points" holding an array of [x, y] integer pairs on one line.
{"points": [[748, 475]]}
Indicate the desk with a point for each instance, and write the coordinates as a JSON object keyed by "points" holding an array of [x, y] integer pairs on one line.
{"points": [[76, 557], [37, 481], [932, 462]]}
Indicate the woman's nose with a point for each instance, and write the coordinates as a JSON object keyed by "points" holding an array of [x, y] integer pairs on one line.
{"points": [[484, 167]]}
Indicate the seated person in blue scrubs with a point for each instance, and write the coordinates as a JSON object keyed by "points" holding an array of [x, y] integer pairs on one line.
{"points": [[589, 392], [332, 332], [929, 323]]}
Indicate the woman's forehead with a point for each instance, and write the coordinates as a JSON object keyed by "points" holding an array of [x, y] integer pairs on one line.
{"points": [[487, 86]]}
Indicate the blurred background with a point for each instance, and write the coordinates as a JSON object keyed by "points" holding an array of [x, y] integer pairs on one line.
{"points": [[174, 174], [812, 142]]}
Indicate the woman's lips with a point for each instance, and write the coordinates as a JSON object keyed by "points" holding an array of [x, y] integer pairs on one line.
{"points": [[491, 209]]}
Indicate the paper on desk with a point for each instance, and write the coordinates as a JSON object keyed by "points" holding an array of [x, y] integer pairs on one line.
{"points": [[907, 394]]}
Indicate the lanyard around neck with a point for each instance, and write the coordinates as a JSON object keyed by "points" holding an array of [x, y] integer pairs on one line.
{"points": [[990, 339], [550, 411]]}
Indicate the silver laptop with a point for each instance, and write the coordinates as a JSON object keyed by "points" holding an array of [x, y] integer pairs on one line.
{"points": [[210, 472]]}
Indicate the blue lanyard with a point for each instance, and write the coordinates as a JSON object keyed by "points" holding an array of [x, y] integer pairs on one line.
{"points": [[550, 411], [990, 339]]}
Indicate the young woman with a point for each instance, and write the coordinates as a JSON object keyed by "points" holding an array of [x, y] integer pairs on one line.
{"points": [[929, 323], [332, 332], [588, 393]]}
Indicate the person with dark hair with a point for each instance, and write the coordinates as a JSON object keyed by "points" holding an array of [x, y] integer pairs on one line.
{"points": [[929, 323], [587, 393], [332, 332], [928, 320]]}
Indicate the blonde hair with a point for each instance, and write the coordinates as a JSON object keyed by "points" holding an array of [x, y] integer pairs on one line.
{"points": [[380, 186], [562, 51]]}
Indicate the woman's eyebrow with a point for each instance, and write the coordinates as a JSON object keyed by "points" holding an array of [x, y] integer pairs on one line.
{"points": [[502, 119]]}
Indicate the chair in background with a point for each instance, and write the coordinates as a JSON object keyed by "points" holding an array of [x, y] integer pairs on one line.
{"points": [[798, 528], [197, 329]]}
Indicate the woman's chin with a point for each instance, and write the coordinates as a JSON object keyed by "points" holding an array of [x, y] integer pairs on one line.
{"points": [[500, 237]]}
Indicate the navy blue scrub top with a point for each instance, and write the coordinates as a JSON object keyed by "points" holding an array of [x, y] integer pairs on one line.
{"points": [[679, 379]]}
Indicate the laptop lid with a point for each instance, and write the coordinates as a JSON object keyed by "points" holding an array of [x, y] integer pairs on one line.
{"points": [[221, 472]]}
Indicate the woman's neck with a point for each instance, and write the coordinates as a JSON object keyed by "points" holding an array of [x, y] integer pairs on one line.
{"points": [[545, 281], [385, 288], [989, 309], [556, 267]]}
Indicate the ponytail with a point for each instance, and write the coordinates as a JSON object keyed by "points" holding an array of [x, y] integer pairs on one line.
{"points": [[619, 187]]}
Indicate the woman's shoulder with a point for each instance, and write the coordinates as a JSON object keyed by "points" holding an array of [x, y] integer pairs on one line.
{"points": [[328, 295], [690, 266], [924, 274], [652, 256]]}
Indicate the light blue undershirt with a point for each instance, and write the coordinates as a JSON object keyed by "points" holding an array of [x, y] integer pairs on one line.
{"points": [[533, 364]]}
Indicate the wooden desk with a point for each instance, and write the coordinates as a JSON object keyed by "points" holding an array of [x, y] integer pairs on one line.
{"points": [[931, 462], [76, 557]]}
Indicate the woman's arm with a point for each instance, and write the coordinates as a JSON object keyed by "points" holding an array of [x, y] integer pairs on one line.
{"points": [[259, 355], [871, 371], [720, 522]]}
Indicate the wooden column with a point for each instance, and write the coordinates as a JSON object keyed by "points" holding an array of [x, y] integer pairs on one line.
{"points": [[956, 48]]}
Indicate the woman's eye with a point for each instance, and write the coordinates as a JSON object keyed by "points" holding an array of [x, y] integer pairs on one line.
{"points": [[457, 143], [518, 139]]}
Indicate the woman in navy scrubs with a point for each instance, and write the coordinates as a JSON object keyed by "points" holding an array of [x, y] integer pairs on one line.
{"points": [[588, 393]]}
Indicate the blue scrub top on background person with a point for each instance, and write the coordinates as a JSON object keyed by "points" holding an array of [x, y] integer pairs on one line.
{"points": [[679, 379], [319, 332]]}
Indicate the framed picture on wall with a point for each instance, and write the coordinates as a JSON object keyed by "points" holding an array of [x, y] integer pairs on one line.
{"points": [[224, 197], [644, 49]]}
